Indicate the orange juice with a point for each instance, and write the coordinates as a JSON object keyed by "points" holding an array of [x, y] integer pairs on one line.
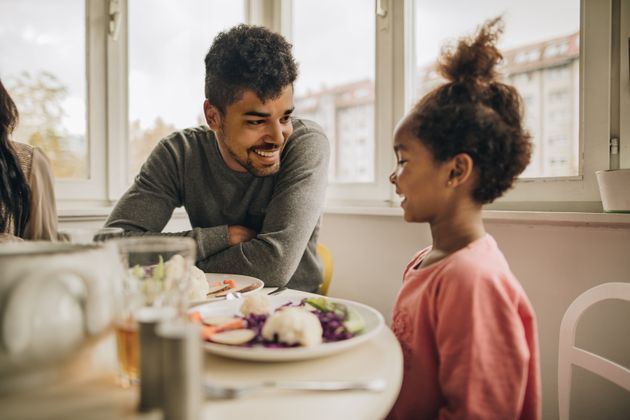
{"points": [[128, 350]]}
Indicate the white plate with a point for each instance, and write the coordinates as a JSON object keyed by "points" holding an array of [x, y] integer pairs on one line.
{"points": [[373, 324], [239, 281]]}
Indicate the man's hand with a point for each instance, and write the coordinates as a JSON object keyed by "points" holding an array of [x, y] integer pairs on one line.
{"points": [[238, 234]]}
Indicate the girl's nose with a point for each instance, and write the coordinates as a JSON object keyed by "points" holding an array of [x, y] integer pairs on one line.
{"points": [[392, 177]]}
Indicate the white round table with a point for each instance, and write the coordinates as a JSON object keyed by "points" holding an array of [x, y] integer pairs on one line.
{"points": [[96, 396]]}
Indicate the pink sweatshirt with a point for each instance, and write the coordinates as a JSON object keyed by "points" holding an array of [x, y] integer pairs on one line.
{"points": [[469, 340]]}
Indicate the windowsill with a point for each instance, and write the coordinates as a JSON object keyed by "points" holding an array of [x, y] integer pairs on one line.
{"points": [[600, 219], [96, 213]]}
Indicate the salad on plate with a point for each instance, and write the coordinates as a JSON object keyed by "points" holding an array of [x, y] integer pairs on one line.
{"points": [[303, 323]]}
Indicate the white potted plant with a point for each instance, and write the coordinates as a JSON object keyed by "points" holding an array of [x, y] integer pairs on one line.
{"points": [[614, 184]]}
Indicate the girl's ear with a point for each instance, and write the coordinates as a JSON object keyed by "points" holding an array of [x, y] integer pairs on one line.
{"points": [[213, 116], [461, 169]]}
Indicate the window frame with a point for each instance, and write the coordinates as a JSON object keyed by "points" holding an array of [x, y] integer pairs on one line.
{"points": [[91, 189], [394, 73], [107, 113]]}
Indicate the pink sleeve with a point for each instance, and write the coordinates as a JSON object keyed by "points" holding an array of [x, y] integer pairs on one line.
{"points": [[482, 348]]}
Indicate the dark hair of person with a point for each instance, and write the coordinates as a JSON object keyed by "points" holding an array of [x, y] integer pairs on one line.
{"points": [[475, 113], [15, 194], [244, 58]]}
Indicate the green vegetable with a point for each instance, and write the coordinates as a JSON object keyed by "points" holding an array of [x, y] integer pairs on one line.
{"points": [[353, 321], [137, 272], [159, 272], [320, 303]]}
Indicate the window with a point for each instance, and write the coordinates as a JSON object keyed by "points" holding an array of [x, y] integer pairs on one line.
{"points": [[167, 44], [44, 73], [97, 96], [546, 66], [545, 60], [336, 83]]}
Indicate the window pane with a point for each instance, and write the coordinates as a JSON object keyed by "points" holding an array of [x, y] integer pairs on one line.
{"points": [[42, 44], [168, 41], [542, 63], [335, 87]]}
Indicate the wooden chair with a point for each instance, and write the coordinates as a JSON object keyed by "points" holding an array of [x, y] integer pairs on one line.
{"points": [[569, 354], [324, 253]]}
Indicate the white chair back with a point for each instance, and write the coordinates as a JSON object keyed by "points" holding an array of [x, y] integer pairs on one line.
{"points": [[569, 354]]}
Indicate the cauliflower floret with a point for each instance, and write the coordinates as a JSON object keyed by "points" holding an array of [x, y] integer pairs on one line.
{"points": [[199, 287], [175, 268], [294, 326], [258, 303]]}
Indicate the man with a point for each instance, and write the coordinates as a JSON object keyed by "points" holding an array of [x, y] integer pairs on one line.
{"points": [[252, 184]]}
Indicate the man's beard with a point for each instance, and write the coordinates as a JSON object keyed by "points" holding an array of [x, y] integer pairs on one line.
{"points": [[247, 163]]}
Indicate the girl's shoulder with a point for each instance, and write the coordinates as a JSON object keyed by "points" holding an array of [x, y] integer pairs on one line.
{"points": [[417, 258]]}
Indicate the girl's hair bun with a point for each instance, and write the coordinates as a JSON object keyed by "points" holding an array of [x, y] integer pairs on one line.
{"points": [[474, 59]]}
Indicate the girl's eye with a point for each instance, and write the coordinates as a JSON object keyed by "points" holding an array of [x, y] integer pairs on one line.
{"points": [[255, 122], [401, 162]]}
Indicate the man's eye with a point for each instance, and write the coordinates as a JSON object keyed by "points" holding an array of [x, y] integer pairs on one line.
{"points": [[401, 162], [255, 122], [286, 119]]}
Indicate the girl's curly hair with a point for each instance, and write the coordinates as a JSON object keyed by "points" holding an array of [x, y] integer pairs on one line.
{"points": [[474, 113], [248, 57]]}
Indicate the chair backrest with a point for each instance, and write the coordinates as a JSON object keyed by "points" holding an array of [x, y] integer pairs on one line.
{"points": [[324, 253], [569, 355]]}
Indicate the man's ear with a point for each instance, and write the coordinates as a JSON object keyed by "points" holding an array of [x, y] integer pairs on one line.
{"points": [[461, 169], [213, 116]]}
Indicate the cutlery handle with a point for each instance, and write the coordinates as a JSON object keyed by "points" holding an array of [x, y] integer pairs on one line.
{"points": [[278, 290], [372, 385]]}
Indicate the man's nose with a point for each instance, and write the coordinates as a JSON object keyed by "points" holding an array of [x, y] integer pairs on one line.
{"points": [[278, 133]]}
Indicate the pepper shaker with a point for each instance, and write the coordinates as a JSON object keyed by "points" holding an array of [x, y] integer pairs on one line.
{"points": [[151, 375], [182, 363]]}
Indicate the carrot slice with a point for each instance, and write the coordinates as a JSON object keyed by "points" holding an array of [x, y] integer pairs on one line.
{"points": [[230, 283], [207, 331], [195, 316]]}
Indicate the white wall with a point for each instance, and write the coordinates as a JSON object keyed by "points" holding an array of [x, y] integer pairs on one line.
{"points": [[554, 263]]}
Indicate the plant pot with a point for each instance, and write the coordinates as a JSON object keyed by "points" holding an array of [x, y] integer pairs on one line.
{"points": [[614, 189]]}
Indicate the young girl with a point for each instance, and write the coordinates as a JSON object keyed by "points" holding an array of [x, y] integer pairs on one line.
{"points": [[464, 322]]}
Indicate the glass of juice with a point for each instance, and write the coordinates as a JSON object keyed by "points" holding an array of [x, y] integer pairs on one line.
{"points": [[157, 274]]}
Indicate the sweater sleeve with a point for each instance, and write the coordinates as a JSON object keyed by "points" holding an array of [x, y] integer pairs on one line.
{"points": [[482, 348], [291, 216], [42, 223], [147, 206]]}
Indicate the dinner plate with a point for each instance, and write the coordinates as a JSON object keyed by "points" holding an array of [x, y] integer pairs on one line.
{"points": [[239, 280], [373, 324]]}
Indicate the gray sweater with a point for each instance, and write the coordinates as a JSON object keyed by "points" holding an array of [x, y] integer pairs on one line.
{"points": [[186, 169]]}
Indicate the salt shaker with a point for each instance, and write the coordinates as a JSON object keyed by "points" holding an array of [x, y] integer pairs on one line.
{"points": [[182, 364], [151, 375]]}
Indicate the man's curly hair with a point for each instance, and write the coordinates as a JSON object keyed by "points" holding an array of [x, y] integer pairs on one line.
{"points": [[475, 113], [244, 58]]}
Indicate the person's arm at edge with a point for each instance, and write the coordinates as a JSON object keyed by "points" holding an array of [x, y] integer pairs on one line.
{"points": [[42, 223]]}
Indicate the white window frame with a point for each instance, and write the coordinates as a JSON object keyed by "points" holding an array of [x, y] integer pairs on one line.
{"points": [[93, 188], [624, 83], [394, 72], [107, 135]]}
